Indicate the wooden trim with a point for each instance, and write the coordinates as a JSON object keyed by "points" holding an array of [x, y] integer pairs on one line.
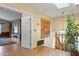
{"points": [[10, 29], [20, 30], [58, 44]]}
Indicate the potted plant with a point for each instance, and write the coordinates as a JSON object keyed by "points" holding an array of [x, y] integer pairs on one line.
{"points": [[72, 33]]}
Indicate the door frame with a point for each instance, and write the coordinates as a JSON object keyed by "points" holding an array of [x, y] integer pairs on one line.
{"points": [[21, 29]]}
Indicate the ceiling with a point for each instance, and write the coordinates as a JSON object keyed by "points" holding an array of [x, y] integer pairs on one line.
{"points": [[9, 15], [50, 9]]}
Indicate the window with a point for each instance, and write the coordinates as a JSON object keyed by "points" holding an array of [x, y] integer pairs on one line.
{"points": [[15, 30]]}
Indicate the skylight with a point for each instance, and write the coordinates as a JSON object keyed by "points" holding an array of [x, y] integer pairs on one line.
{"points": [[61, 5]]}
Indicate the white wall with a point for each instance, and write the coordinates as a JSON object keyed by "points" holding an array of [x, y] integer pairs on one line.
{"points": [[8, 14], [5, 26], [25, 31], [35, 19], [36, 35], [50, 41]]}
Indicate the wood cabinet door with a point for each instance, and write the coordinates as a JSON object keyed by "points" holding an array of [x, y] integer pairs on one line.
{"points": [[45, 28]]}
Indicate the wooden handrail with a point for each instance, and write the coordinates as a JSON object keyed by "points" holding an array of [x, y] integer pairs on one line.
{"points": [[58, 44]]}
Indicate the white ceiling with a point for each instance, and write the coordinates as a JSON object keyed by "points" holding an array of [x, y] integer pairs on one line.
{"points": [[8, 14], [48, 9], [51, 10]]}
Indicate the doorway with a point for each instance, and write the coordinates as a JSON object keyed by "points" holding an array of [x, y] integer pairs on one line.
{"points": [[26, 31]]}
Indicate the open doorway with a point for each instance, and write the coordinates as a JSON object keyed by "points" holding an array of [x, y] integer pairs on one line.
{"points": [[10, 25], [16, 29]]}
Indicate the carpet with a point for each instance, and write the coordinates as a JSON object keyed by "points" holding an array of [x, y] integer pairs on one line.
{"points": [[6, 41]]}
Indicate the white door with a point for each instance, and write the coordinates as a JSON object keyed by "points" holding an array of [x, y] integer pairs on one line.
{"points": [[26, 31]]}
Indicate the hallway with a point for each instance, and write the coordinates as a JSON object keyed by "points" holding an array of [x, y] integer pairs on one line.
{"points": [[16, 50]]}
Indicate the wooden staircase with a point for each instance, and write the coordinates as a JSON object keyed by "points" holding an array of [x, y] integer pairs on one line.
{"points": [[58, 44]]}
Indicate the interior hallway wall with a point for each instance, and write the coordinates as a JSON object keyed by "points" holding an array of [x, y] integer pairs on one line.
{"points": [[4, 26], [57, 22], [36, 19]]}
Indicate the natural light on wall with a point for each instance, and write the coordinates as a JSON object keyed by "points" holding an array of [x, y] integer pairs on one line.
{"points": [[61, 5]]}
